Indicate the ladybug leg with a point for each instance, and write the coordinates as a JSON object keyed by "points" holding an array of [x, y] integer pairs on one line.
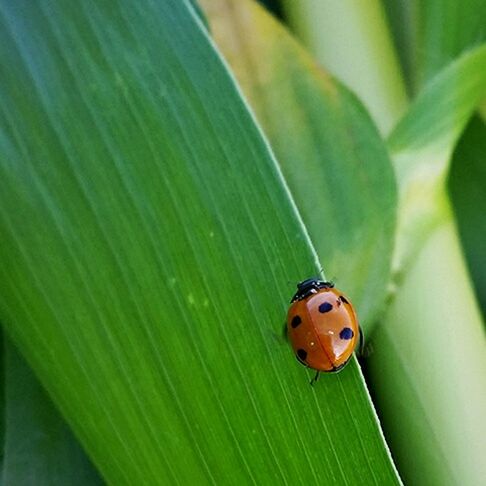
{"points": [[314, 380]]}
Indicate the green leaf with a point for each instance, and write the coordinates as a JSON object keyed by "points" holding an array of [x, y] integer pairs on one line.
{"points": [[402, 17], [147, 242], [446, 29], [39, 447], [198, 11], [422, 144], [2, 403], [430, 34], [466, 183], [454, 94]]}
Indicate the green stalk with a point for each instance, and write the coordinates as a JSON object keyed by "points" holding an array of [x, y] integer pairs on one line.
{"points": [[351, 39], [432, 344]]}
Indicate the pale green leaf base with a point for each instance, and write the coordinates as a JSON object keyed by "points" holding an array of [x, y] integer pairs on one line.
{"points": [[428, 367]]}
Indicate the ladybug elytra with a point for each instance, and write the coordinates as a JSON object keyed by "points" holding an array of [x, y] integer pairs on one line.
{"points": [[322, 326]]}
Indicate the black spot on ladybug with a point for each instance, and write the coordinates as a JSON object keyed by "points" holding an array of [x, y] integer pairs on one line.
{"points": [[346, 333], [296, 320], [325, 307], [343, 299], [302, 354]]}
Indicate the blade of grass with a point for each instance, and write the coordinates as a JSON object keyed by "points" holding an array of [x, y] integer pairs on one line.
{"points": [[147, 239], [402, 19], [430, 34], [422, 144], [39, 447], [446, 29]]}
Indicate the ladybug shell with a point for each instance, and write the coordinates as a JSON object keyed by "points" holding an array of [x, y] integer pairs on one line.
{"points": [[323, 330]]}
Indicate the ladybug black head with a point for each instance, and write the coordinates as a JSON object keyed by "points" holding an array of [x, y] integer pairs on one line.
{"points": [[310, 286]]}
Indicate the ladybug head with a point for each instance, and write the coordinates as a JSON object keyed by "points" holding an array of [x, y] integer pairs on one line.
{"points": [[310, 286]]}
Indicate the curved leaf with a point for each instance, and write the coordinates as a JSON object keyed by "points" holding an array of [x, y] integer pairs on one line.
{"points": [[430, 34], [445, 30], [421, 147], [402, 17], [147, 239]]}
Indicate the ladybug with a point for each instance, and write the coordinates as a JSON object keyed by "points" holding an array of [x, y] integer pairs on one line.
{"points": [[322, 327]]}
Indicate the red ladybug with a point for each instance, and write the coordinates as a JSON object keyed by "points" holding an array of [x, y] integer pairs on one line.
{"points": [[322, 326]]}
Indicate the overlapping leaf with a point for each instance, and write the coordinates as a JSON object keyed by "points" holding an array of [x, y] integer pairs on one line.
{"points": [[467, 180], [422, 145], [39, 447]]}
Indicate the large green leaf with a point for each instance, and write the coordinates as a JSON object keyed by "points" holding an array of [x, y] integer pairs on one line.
{"points": [[467, 180], [148, 252], [422, 145], [39, 447], [331, 155]]}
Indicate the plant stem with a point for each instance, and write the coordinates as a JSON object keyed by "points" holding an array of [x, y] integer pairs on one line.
{"points": [[429, 366]]}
